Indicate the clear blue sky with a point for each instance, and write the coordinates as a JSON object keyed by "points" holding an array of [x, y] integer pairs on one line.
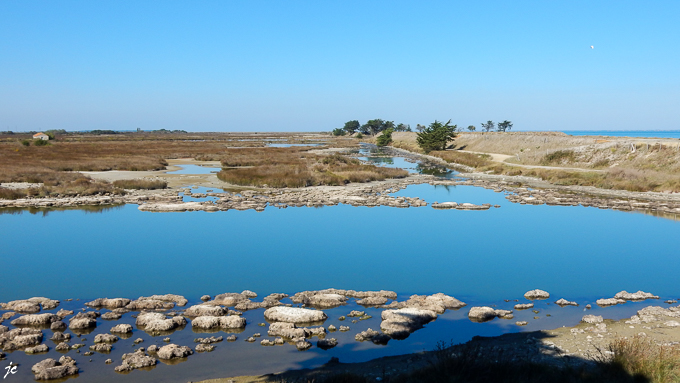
{"points": [[312, 65]]}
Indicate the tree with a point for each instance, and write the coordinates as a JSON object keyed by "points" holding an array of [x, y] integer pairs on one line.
{"points": [[376, 126], [504, 126], [420, 128], [488, 126], [436, 136], [472, 128], [402, 128], [385, 138], [338, 132], [351, 126]]}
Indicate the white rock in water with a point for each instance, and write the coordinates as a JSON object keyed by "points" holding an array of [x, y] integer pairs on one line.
{"points": [[639, 296], [294, 315], [592, 319], [536, 294]]}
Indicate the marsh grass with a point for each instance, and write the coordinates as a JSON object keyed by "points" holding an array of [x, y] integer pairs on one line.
{"points": [[468, 159], [6, 193], [296, 167], [140, 184], [642, 358]]}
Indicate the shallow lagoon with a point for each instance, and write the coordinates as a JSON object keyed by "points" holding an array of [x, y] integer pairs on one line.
{"points": [[480, 257]]}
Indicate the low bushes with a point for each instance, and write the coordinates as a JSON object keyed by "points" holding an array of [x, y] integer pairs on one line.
{"points": [[469, 159]]}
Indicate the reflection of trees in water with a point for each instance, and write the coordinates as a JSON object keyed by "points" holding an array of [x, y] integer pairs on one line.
{"points": [[45, 211], [437, 171]]}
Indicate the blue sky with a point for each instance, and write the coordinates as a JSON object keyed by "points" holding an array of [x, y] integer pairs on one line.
{"points": [[312, 65]]}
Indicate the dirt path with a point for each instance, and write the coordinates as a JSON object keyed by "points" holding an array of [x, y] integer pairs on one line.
{"points": [[497, 157]]}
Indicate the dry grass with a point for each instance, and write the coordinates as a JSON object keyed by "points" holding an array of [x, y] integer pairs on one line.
{"points": [[295, 167], [140, 184], [463, 158], [642, 358]]}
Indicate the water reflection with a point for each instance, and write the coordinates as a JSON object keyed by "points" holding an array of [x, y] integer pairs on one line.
{"points": [[45, 211]]}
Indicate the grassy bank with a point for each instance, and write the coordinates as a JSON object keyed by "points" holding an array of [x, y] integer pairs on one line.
{"points": [[296, 167]]}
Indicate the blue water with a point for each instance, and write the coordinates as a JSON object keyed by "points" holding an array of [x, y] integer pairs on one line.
{"points": [[626, 133], [195, 169], [480, 257]]}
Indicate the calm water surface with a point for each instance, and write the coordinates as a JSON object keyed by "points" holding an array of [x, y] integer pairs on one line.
{"points": [[480, 257], [626, 133]]}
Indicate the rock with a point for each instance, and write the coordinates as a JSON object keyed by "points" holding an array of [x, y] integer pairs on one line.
{"points": [[225, 322], [638, 296], [504, 314], [563, 302], [319, 299], [204, 347], [481, 314], [400, 323], [153, 349], [331, 328], [83, 320], [101, 347], [250, 339], [111, 315], [49, 369], [63, 347], [438, 303], [303, 345], [58, 326], [231, 338], [355, 313], [228, 299], [109, 303], [203, 310], [105, 338], [64, 313], [59, 336], [343, 328], [37, 349], [149, 304], [266, 342], [592, 319], [108, 361], [521, 323], [212, 339], [326, 344], [372, 301], [536, 294], [121, 329], [372, 335], [205, 298], [19, 338], [290, 331], [178, 299], [248, 294], [138, 359], [609, 302], [524, 306], [35, 320], [294, 315], [157, 322], [31, 305]]}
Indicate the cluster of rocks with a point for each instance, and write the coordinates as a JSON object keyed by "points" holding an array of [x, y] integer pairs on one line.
{"points": [[132, 197], [461, 206], [624, 296]]}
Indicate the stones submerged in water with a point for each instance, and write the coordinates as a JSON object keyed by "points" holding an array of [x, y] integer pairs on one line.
{"points": [[524, 306], [49, 368], [225, 322], [374, 336], [121, 329], [105, 338], [205, 310], [157, 322], [638, 296], [461, 206], [17, 338], [609, 302], [173, 351], [31, 305], [112, 303], [35, 320], [290, 331], [536, 294], [83, 320], [326, 344], [204, 347], [399, 324], [209, 340], [438, 303], [37, 349]]}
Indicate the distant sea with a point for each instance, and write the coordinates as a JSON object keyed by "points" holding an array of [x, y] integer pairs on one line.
{"points": [[626, 133]]}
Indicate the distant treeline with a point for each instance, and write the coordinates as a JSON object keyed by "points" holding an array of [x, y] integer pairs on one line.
{"points": [[377, 125], [95, 132]]}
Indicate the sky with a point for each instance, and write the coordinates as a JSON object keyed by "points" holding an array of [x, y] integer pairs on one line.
{"points": [[313, 65]]}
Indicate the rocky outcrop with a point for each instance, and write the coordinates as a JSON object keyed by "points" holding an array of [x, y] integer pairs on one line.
{"points": [[318, 299], [83, 320], [35, 320], [294, 315], [609, 302], [121, 329], [105, 338], [563, 302], [50, 369], [484, 314], [58, 326], [438, 303], [461, 206], [326, 344], [19, 338], [524, 306], [592, 319], [112, 303], [208, 322], [536, 294], [290, 331], [373, 336], [209, 340], [37, 349], [399, 324], [202, 310], [173, 351], [137, 359], [157, 322], [101, 347], [59, 336], [638, 296], [31, 305], [655, 314]]}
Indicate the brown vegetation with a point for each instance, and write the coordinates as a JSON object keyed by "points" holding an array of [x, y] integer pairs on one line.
{"points": [[296, 167], [140, 184]]}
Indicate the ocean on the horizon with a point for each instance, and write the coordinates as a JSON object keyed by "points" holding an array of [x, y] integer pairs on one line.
{"points": [[625, 133]]}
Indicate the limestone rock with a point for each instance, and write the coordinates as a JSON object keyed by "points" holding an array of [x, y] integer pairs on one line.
{"points": [[105, 338], [36, 349], [294, 315], [19, 338], [638, 296], [157, 322], [205, 298], [224, 322], [64, 313], [121, 329], [204, 347], [58, 326], [202, 310], [83, 320], [592, 319], [303, 345], [326, 344], [536, 294], [524, 306], [111, 315], [101, 347], [138, 359], [290, 331], [609, 302], [49, 369], [35, 320], [400, 323], [109, 303], [563, 302], [60, 336]]}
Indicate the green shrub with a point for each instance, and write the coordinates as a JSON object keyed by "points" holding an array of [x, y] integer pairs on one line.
{"points": [[25, 142], [41, 142]]}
